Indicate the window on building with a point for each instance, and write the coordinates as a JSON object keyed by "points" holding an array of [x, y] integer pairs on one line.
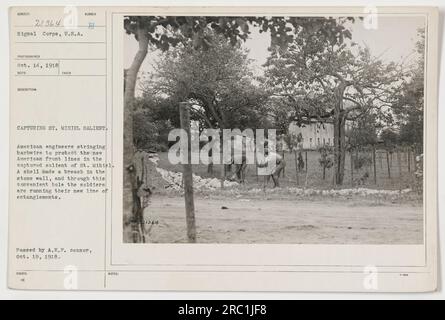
{"points": [[324, 141], [318, 141]]}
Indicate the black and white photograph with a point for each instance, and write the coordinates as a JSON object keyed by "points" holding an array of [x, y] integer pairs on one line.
{"points": [[274, 130], [224, 151]]}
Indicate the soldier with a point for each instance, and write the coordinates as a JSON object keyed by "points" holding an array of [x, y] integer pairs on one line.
{"points": [[240, 168], [274, 164]]}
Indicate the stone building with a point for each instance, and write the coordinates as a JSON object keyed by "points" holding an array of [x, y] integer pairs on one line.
{"points": [[315, 133]]}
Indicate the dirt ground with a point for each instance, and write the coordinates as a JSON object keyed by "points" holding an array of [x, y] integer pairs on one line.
{"points": [[290, 221]]}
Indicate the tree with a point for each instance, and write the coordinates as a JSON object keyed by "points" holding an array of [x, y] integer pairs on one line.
{"points": [[217, 81], [363, 132], [151, 124], [336, 79], [390, 138], [163, 32], [409, 108]]}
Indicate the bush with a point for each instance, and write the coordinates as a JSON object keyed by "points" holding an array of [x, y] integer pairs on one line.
{"points": [[418, 186], [362, 161], [150, 135]]}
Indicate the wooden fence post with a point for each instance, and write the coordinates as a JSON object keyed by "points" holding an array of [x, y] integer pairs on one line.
{"points": [[388, 164], [297, 169], [399, 162], [187, 174]]}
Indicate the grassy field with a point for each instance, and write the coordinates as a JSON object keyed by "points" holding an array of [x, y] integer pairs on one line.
{"points": [[402, 175]]}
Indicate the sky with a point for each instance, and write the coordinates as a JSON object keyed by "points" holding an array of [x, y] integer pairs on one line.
{"points": [[393, 41]]}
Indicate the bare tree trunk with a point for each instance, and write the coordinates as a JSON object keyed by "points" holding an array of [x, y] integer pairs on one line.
{"points": [[336, 145], [129, 147], [339, 147], [374, 165], [130, 88], [352, 167]]}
